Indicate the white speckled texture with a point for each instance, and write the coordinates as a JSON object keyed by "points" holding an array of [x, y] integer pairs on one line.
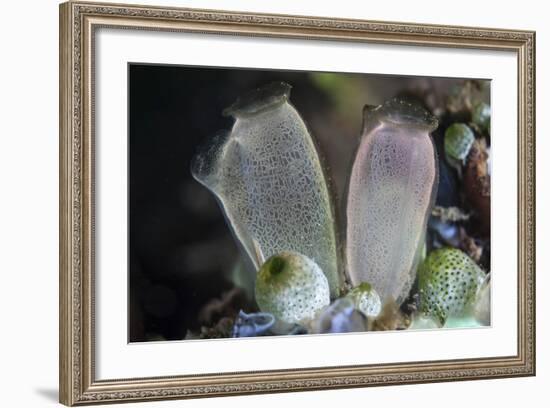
{"points": [[391, 192], [270, 183], [296, 292], [366, 299]]}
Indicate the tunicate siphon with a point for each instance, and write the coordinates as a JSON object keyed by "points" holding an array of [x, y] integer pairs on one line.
{"points": [[269, 180], [390, 195]]}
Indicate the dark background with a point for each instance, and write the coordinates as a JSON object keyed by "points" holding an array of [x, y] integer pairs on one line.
{"points": [[181, 253]]}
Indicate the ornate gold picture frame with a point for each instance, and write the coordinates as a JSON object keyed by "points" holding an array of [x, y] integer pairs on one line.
{"points": [[78, 24]]}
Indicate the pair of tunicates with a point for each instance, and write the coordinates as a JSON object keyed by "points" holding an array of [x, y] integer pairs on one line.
{"points": [[270, 182]]}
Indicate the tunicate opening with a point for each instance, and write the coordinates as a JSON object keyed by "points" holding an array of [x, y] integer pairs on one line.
{"points": [[401, 112], [277, 265], [259, 100], [204, 163]]}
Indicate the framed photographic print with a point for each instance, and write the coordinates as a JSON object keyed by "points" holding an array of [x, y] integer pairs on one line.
{"points": [[260, 203]]}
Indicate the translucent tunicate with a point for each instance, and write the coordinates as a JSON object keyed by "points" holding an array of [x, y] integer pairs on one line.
{"points": [[253, 324], [269, 181], [390, 196]]}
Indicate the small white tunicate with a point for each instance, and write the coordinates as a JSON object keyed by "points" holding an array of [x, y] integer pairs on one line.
{"points": [[423, 322], [270, 183], [390, 195], [482, 304]]}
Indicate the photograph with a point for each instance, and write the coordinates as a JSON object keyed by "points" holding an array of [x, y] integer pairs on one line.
{"points": [[268, 202], [261, 202]]}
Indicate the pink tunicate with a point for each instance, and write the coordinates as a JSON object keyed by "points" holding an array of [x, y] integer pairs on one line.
{"points": [[390, 196]]}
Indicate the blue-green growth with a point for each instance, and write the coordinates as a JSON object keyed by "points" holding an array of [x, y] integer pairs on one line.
{"points": [[458, 142], [481, 116]]}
